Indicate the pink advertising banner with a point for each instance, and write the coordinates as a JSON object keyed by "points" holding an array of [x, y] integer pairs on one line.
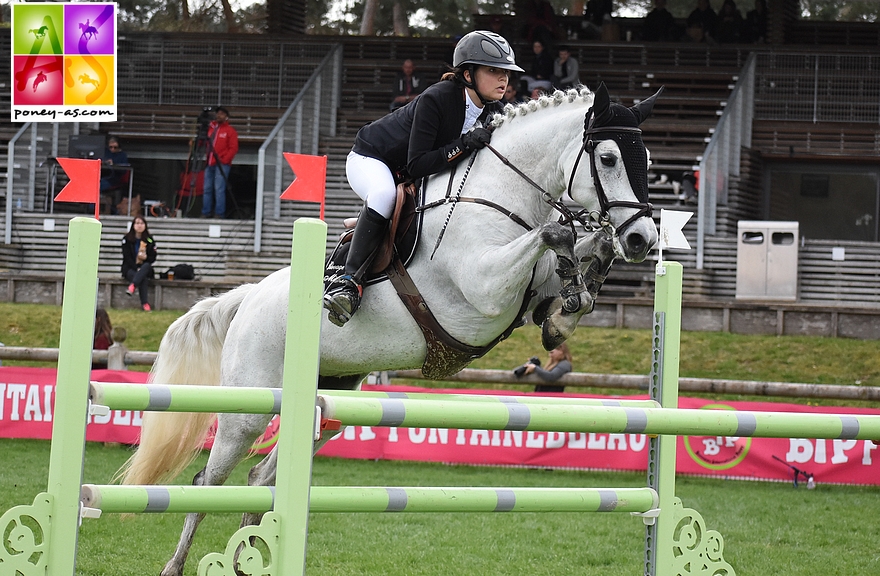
{"points": [[26, 412]]}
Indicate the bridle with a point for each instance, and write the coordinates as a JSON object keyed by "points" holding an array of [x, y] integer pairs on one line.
{"points": [[589, 219], [602, 219]]}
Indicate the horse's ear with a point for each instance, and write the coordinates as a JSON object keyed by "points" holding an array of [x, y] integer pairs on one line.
{"points": [[643, 109], [601, 106]]}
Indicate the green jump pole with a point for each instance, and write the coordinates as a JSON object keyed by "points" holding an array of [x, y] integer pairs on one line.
{"points": [[500, 399], [300, 384], [159, 397], [495, 413], [663, 385], [347, 499], [415, 413], [186, 398], [71, 393]]}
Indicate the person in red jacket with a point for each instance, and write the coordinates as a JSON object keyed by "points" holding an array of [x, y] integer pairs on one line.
{"points": [[223, 146]]}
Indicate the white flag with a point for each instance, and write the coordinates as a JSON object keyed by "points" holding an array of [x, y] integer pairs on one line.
{"points": [[671, 224]]}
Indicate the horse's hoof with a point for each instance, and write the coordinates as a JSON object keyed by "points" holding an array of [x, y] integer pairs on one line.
{"points": [[551, 337]]}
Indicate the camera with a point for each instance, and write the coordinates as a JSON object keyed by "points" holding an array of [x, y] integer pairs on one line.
{"points": [[519, 371], [204, 121]]}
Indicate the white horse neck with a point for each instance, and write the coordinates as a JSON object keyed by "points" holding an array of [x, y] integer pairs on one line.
{"points": [[541, 137]]}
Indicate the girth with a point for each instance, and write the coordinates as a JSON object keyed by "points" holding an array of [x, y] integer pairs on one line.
{"points": [[445, 355]]}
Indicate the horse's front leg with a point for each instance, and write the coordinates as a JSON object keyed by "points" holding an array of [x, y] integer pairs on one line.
{"points": [[596, 256], [560, 316], [493, 282]]}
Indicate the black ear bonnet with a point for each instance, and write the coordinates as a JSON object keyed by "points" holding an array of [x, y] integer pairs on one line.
{"points": [[632, 148]]}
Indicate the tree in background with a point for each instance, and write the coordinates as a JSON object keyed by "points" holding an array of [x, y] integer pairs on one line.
{"points": [[190, 16], [438, 18], [841, 10]]}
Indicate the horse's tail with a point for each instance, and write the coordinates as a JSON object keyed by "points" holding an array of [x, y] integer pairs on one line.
{"points": [[188, 354]]}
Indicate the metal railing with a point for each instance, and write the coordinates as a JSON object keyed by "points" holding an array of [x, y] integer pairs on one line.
{"points": [[783, 86], [721, 159], [311, 115], [202, 70], [28, 188], [805, 87]]}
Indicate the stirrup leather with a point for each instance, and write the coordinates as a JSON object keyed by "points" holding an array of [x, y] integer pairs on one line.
{"points": [[342, 298]]}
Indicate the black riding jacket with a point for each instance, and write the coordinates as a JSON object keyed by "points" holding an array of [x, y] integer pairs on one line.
{"points": [[423, 137]]}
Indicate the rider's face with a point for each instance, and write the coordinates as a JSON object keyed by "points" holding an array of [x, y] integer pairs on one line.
{"points": [[491, 82]]}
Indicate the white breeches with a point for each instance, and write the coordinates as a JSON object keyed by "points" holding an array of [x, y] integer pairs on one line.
{"points": [[373, 181]]}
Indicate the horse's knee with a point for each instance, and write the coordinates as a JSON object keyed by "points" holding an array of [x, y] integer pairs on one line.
{"points": [[558, 237], [199, 478]]}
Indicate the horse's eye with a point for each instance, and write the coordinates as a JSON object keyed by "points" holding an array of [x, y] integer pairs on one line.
{"points": [[608, 159]]}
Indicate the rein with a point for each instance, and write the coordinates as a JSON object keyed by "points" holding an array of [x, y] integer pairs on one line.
{"points": [[588, 219], [567, 215]]}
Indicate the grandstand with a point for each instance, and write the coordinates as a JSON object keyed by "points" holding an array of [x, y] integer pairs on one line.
{"points": [[166, 79]]}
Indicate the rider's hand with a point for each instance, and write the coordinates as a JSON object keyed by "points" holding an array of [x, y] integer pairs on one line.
{"points": [[476, 138]]}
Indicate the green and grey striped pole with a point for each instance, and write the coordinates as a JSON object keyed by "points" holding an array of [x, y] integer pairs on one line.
{"points": [[464, 414], [161, 397], [256, 499]]}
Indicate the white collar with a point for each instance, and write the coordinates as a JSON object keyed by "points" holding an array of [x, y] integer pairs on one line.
{"points": [[472, 111]]}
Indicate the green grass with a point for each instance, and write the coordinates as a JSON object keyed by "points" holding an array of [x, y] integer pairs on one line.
{"points": [[601, 350], [768, 528], [39, 326]]}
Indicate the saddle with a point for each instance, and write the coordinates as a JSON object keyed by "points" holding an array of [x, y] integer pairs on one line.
{"points": [[445, 355], [400, 240]]}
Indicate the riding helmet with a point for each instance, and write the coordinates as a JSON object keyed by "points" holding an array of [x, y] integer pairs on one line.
{"points": [[486, 49]]}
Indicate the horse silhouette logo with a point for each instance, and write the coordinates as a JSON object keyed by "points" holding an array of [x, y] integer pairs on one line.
{"points": [[86, 79], [40, 79], [39, 32], [88, 32]]}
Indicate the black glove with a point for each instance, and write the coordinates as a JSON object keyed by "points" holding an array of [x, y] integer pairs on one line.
{"points": [[476, 138]]}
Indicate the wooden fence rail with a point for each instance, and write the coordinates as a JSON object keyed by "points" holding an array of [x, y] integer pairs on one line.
{"points": [[572, 379]]}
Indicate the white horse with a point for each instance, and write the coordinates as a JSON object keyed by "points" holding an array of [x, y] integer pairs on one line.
{"points": [[497, 253]]}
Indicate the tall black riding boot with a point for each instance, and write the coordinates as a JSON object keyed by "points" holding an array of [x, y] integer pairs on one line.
{"points": [[343, 296]]}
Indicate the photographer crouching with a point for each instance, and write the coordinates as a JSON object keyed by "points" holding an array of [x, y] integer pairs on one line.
{"points": [[558, 364]]}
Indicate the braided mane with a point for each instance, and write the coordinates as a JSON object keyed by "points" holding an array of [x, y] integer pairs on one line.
{"points": [[558, 97]]}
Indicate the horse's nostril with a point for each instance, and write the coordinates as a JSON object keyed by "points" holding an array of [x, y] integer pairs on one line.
{"points": [[636, 243]]}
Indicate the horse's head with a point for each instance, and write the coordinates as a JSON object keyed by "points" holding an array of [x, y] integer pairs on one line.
{"points": [[619, 168]]}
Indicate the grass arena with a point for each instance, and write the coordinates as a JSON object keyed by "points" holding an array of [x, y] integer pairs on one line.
{"points": [[665, 537]]}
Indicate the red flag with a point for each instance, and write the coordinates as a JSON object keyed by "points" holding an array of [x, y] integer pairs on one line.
{"points": [[85, 181], [310, 181]]}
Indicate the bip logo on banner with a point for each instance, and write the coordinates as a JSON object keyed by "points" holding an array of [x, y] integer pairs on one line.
{"points": [[63, 62]]}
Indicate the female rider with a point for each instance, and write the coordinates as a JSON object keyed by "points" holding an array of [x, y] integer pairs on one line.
{"points": [[438, 129]]}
